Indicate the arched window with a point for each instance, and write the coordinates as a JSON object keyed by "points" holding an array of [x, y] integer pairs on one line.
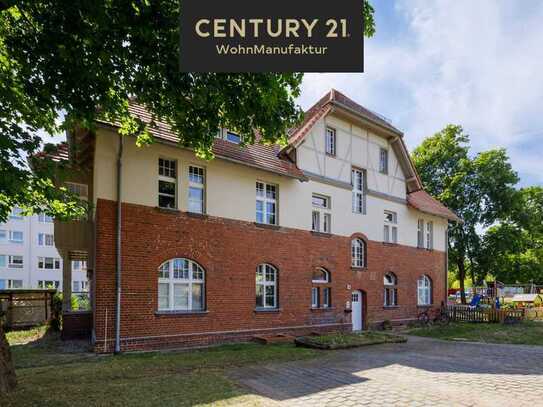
{"points": [[358, 253], [424, 290], [321, 292], [391, 290], [181, 286], [266, 286]]}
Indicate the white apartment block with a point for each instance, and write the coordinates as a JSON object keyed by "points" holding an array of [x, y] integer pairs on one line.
{"points": [[29, 258]]}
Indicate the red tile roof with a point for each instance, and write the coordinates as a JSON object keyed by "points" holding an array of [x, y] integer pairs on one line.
{"points": [[424, 202], [58, 152], [261, 156], [324, 105]]}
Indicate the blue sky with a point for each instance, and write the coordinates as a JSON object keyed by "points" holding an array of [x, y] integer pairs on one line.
{"points": [[474, 63]]}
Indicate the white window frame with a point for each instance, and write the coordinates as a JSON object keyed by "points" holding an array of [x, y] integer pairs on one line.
{"points": [[45, 283], [81, 190], [4, 262], [424, 290], [429, 235], [315, 297], [227, 133], [43, 218], [390, 229], [167, 178], [330, 141], [358, 182], [196, 172], [12, 236], [3, 235], [45, 238], [168, 274], [16, 213], [11, 262], [420, 233], [326, 274], [383, 161], [358, 253], [42, 261], [11, 284], [261, 281], [264, 199], [78, 266], [321, 221], [392, 288]]}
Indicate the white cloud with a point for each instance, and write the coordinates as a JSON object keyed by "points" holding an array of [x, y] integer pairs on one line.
{"points": [[474, 63]]}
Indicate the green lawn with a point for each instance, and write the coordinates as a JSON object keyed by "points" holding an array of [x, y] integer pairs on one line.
{"points": [[341, 340], [525, 333], [54, 373]]}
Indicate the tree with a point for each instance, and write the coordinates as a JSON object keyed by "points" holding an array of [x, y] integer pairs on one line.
{"points": [[480, 189], [512, 251], [63, 63], [8, 380]]}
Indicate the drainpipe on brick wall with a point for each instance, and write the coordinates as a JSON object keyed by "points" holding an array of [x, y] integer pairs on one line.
{"points": [[118, 247], [447, 263]]}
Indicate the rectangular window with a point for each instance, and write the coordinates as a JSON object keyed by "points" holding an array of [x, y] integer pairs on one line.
{"points": [[326, 301], [266, 203], [49, 284], [16, 213], [330, 141], [321, 216], [15, 236], [46, 239], [383, 161], [81, 190], [3, 236], [79, 265], [390, 230], [3, 260], [15, 262], [15, 283], [43, 218], [359, 190], [429, 235], [196, 189], [315, 297], [233, 137], [49, 263], [167, 183], [391, 297], [420, 233], [2, 284], [76, 287]]}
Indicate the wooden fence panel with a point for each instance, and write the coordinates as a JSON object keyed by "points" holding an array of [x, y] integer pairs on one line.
{"points": [[465, 313]]}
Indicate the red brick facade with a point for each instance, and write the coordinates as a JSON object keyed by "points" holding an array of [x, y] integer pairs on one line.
{"points": [[230, 251]]}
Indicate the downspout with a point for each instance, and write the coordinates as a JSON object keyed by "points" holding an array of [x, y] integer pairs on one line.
{"points": [[118, 247], [447, 264]]}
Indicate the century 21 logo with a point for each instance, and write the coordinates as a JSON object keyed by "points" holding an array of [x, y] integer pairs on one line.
{"points": [[256, 27]]}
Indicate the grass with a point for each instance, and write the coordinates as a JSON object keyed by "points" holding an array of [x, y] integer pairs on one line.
{"points": [[51, 373], [525, 333], [349, 340]]}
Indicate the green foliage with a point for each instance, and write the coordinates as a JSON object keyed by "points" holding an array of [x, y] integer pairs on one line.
{"points": [[64, 63], [479, 189]]}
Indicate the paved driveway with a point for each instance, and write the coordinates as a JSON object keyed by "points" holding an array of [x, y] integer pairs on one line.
{"points": [[419, 372]]}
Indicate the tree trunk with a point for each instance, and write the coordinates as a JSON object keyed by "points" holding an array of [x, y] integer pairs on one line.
{"points": [[461, 277], [8, 380]]}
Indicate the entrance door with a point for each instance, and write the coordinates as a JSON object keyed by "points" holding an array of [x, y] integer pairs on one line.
{"points": [[356, 304]]}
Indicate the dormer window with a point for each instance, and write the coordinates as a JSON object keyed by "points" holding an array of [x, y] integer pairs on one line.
{"points": [[233, 137], [330, 141]]}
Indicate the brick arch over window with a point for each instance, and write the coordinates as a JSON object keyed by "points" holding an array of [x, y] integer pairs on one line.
{"points": [[359, 250], [181, 285]]}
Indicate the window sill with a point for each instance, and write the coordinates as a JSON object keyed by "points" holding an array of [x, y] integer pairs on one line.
{"points": [[425, 306], [167, 210], [197, 215], [179, 312], [267, 310], [321, 234], [354, 268], [390, 244], [391, 306], [330, 155], [267, 226], [322, 309]]}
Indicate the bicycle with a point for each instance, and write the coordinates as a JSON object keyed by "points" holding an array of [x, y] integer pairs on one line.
{"points": [[430, 317]]}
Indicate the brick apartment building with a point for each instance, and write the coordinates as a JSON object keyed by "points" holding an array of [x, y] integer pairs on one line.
{"points": [[332, 232]]}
